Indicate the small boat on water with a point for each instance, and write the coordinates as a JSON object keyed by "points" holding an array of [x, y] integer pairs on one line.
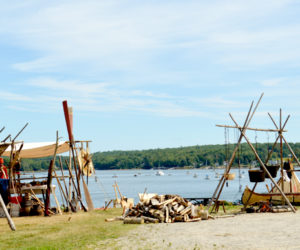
{"points": [[160, 173], [207, 177], [114, 176], [195, 175]]}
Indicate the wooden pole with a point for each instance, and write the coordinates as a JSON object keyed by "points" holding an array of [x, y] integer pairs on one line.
{"points": [[291, 150], [275, 143], [62, 173], [254, 129], [9, 220], [264, 167], [227, 169], [76, 190], [68, 202], [49, 180], [76, 168], [87, 194]]}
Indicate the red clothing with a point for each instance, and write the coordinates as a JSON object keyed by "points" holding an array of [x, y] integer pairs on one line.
{"points": [[3, 172]]}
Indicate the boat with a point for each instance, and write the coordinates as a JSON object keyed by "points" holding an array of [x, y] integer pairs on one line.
{"points": [[160, 173], [291, 188], [276, 198], [195, 175], [207, 177]]}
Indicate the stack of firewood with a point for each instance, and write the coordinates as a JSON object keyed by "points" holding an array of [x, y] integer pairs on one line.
{"points": [[164, 208]]}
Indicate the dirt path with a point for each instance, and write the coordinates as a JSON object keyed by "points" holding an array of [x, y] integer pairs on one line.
{"points": [[248, 231]]}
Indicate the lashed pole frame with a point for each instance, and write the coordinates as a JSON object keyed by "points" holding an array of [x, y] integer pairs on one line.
{"points": [[285, 141], [269, 155], [222, 181], [264, 167]]}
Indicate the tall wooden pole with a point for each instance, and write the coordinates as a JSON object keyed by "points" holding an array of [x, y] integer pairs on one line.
{"points": [[49, 179], [281, 152]]}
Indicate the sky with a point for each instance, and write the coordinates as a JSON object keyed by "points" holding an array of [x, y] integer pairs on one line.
{"points": [[148, 74]]}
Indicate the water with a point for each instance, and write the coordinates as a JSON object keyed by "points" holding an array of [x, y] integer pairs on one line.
{"points": [[181, 182]]}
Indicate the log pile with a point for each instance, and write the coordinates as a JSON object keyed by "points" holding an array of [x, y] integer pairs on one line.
{"points": [[165, 209]]}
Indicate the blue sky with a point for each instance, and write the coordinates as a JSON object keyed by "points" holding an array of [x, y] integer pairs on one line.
{"points": [[147, 74]]}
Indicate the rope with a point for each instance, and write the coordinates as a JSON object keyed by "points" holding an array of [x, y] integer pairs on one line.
{"points": [[102, 187]]}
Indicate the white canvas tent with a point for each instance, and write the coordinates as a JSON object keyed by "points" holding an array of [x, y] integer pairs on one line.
{"points": [[39, 149]]}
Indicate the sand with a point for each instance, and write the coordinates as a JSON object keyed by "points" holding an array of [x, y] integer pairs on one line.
{"points": [[246, 231]]}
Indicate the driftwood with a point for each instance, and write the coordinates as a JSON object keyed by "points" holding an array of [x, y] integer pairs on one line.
{"points": [[164, 209]]}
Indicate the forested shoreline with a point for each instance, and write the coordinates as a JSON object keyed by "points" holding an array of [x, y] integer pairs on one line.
{"points": [[193, 156]]}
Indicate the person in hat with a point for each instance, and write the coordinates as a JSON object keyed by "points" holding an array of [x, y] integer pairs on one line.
{"points": [[3, 170]]}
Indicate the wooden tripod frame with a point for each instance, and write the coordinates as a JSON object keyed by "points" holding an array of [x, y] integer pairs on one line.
{"points": [[242, 130]]}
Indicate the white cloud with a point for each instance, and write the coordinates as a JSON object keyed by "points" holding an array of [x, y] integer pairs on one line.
{"points": [[10, 96], [127, 35], [272, 82]]}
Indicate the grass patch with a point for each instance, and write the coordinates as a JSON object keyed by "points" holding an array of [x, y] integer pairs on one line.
{"points": [[229, 208], [83, 230]]}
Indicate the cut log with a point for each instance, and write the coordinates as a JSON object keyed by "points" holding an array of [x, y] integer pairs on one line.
{"points": [[185, 211], [118, 218], [186, 218], [149, 219], [134, 220], [194, 212], [166, 202], [179, 209], [204, 215], [167, 214], [154, 202], [178, 218], [194, 220]]}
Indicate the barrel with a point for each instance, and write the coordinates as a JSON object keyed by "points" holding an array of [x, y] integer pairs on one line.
{"points": [[256, 175], [27, 206]]}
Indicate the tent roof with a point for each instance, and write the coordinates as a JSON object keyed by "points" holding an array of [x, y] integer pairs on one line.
{"points": [[39, 149]]}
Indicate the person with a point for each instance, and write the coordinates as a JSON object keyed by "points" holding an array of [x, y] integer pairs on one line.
{"points": [[4, 182], [3, 170]]}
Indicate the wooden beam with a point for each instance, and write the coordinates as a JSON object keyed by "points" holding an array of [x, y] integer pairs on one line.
{"points": [[255, 129]]}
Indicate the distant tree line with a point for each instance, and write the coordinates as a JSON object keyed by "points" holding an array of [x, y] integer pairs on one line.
{"points": [[193, 156]]}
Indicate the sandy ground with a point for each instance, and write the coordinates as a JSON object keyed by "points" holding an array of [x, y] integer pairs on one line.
{"points": [[246, 231]]}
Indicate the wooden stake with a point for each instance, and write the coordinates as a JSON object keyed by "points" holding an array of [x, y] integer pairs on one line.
{"points": [[9, 220]]}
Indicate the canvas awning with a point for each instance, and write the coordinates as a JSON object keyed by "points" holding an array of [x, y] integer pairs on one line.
{"points": [[39, 149]]}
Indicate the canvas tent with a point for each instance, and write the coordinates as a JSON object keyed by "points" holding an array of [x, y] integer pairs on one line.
{"points": [[39, 149]]}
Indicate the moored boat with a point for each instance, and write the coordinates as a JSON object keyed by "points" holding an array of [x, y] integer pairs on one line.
{"points": [[160, 173]]}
